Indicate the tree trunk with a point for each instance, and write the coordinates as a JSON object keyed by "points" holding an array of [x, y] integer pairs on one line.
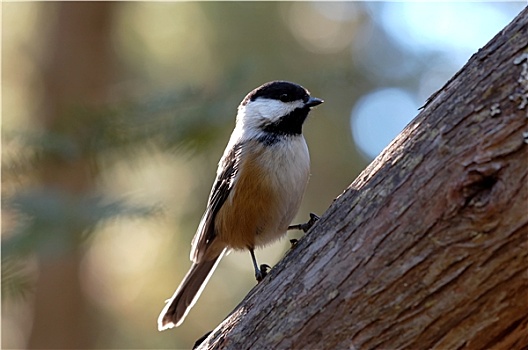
{"points": [[77, 75], [427, 248]]}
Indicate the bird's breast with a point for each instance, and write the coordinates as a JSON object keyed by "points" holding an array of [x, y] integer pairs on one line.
{"points": [[266, 193]]}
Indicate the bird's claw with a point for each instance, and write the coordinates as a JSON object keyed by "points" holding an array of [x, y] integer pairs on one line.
{"points": [[306, 226], [262, 272]]}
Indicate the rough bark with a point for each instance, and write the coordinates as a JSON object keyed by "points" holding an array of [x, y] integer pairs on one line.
{"points": [[427, 248]]}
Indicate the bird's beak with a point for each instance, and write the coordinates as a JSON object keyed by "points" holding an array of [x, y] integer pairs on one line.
{"points": [[313, 101]]}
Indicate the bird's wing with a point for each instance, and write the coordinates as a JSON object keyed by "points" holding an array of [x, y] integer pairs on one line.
{"points": [[221, 188]]}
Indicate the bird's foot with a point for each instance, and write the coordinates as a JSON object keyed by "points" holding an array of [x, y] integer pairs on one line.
{"points": [[293, 242], [306, 226], [262, 272]]}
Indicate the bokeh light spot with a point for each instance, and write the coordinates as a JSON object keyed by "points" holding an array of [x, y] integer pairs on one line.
{"points": [[378, 117], [323, 29]]}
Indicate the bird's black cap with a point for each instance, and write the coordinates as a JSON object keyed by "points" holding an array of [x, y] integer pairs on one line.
{"points": [[284, 91]]}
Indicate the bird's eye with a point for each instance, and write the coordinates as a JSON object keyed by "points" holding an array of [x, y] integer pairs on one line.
{"points": [[284, 98]]}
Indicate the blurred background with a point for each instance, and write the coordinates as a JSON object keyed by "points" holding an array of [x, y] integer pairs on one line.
{"points": [[115, 114]]}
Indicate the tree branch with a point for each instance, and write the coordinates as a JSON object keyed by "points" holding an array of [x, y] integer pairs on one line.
{"points": [[427, 248]]}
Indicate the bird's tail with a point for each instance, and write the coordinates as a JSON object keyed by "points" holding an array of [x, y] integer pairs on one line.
{"points": [[187, 293]]}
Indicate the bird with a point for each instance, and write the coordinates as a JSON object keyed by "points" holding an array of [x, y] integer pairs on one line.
{"points": [[260, 181]]}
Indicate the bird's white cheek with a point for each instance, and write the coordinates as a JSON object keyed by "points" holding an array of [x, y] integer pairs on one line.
{"points": [[270, 109]]}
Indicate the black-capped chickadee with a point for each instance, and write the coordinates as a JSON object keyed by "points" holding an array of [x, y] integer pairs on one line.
{"points": [[258, 189]]}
